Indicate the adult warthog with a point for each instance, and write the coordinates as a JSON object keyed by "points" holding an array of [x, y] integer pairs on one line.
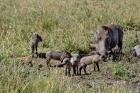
{"points": [[107, 38]]}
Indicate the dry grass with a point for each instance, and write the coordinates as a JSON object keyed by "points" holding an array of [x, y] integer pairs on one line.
{"points": [[64, 25]]}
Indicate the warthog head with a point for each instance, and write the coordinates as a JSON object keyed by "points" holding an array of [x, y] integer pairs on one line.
{"points": [[103, 40]]}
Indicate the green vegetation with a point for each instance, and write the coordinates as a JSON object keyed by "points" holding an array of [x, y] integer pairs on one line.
{"points": [[64, 25]]}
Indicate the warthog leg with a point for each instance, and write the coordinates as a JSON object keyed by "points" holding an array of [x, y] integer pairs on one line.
{"points": [[67, 71], [80, 69], [96, 64], [85, 69], [74, 70]]}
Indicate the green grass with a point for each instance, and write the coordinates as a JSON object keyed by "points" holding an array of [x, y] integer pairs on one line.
{"points": [[64, 25]]}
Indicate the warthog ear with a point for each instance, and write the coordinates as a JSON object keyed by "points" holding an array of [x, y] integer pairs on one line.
{"points": [[106, 28]]}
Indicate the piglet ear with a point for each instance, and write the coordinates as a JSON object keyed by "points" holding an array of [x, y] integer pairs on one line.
{"points": [[106, 28]]}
